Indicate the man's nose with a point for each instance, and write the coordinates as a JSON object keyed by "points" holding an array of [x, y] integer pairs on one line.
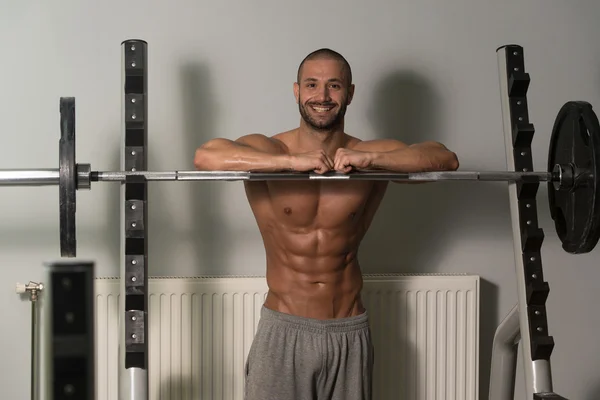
{"points": [[323, 94]]}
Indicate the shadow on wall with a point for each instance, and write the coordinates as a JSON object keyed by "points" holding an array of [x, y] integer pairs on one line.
{"points": [[202, 235], [416, 224], [593, 394]]}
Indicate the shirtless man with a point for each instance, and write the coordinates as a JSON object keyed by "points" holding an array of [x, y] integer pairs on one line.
{"points": [[313, 340]]}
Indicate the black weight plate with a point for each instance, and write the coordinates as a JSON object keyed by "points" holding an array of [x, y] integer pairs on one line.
{"points": [[67, 177], [575, 141]]}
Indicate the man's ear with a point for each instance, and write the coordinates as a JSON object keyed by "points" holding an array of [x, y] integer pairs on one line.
{"points": [[350, 93], [296, 91]]}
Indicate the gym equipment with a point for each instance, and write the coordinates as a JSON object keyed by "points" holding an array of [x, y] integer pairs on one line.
{"points": [[578, 149], [526, 325], [67, 178], [50, 177], [573, 172], [66, 358]]}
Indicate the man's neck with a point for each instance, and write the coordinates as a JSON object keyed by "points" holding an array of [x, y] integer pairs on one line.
{"points": [[310, 139]]}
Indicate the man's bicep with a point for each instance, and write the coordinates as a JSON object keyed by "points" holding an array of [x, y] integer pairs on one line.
{"points": [[260, 142]]}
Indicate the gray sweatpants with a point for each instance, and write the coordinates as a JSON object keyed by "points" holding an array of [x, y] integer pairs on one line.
{"points": [[296, 358]]}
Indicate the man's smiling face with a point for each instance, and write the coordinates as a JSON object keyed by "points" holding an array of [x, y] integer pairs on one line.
{"points": [[323, 93]]}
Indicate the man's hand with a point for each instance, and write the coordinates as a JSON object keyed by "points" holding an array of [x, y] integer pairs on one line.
{"points": [[346, 160], [316, 161]]}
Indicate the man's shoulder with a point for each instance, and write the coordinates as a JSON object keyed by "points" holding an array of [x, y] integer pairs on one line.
{"points": [[352, 142], [283, 139], [283, 136], [263, 141]]}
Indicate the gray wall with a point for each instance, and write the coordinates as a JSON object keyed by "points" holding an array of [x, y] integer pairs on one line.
{"points": [[423, 70]]}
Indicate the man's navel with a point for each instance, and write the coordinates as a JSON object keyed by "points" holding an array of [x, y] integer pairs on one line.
{"points": [[287, 211]]}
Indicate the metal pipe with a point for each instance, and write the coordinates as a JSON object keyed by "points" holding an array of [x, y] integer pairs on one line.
{"points": [[48, 177], [33, 289], [504, 357], [34, 350], [29, 177], [119, 176]]}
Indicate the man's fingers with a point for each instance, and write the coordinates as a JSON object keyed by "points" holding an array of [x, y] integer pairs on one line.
{"points": [[336, 161], [323, 167], [329, 162], [342, 163]]}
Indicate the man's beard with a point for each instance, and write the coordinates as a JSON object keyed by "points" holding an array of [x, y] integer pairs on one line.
{"points": [[323, 124]]}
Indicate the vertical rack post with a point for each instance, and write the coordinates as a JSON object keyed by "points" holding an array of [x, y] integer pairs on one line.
{"points": [[134, 222], [532, 290], [67, 332]]}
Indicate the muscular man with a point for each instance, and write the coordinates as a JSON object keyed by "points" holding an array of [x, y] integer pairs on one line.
{"points": [[313, 340]]}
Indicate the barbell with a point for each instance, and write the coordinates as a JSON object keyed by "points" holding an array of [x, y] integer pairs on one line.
{"points": [[572, 175]]}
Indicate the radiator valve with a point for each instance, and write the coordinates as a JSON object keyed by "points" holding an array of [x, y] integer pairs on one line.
{"points": [[33, 288]]}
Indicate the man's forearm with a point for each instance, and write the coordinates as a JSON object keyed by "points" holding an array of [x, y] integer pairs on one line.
{"points": [[234, 157], [417, 158]]}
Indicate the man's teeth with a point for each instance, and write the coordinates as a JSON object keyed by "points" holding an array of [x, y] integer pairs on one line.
{"points": [[321, 109]]}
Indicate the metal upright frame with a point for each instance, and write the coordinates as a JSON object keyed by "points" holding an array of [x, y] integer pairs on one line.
{"points": [[67, 363], [526, 324], [133, 345]]}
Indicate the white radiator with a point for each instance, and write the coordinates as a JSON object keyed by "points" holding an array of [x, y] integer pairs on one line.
{"points": [[425, 330]]}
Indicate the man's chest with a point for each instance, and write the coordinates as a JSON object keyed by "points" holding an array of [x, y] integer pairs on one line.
{"points": [[322, 204]]}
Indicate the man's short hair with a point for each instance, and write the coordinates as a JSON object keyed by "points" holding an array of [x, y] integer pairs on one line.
{"points": [[327, 54]]}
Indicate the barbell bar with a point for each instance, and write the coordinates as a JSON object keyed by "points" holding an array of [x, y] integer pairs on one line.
{"points": [[51, 177]]}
